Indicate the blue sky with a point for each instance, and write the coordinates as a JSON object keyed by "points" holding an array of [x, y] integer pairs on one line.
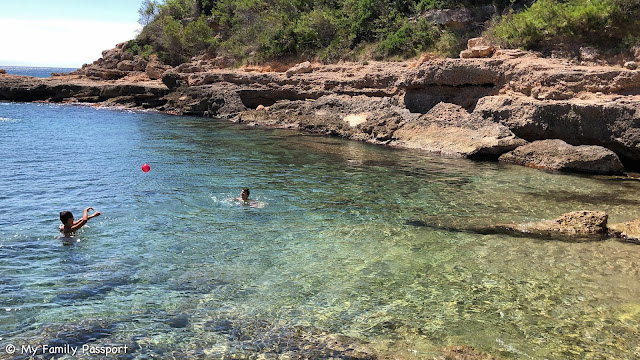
{"points": [[65, 33]]}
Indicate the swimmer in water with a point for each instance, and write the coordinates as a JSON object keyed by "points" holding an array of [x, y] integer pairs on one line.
{"points": [[69, 226], [244, 196]]}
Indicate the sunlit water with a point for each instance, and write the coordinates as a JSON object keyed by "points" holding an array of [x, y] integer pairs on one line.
{"points": [[40, 72], [176, 267]]}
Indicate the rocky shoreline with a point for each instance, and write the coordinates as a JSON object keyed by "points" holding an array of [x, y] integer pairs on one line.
{"points": [[501, 107]]}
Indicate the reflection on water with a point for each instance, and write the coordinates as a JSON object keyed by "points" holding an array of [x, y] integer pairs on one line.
{"points": [[357, 251]]}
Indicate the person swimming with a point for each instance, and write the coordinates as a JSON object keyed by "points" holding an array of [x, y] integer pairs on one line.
{"points": [[244, 196], [69, 227]]}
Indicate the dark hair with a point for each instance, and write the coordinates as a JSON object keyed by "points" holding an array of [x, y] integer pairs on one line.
{"points": [[247, 190], [65, 215]]}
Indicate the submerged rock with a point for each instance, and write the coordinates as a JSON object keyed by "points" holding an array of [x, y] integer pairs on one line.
{"points": [[560, 156], [274, 340], [578, 226], [464, 353], [628, 231], [573, 223]]}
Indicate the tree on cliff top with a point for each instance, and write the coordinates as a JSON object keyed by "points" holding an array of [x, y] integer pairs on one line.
{"points": [[331, 30]]}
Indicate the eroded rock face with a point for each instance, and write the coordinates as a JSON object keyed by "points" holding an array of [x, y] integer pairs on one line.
{"points": [[613, 125], [155, 68], [125, 65], [449, 130], [559, 156], [454, 18], [628, 231]]}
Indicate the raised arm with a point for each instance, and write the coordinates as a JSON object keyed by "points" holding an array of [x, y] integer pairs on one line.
{"points": [[85, 217]]}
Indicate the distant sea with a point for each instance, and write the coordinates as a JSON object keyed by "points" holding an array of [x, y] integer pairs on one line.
{"points": [[41, 72]]}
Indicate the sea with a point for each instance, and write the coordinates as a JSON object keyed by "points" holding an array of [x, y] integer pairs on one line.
{"points": [[347, 249], [40, 72]]}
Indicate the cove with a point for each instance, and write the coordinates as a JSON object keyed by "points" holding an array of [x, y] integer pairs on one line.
{"points": [[175, 267]]}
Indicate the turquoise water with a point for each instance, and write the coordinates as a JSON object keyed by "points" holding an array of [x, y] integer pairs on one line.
{"points": [[175, 267]]}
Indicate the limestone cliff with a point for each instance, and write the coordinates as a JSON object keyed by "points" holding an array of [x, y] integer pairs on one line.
{"points": [[471, 107]]}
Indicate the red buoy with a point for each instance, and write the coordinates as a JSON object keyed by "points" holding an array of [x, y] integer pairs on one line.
{"points": [[146, 167]]}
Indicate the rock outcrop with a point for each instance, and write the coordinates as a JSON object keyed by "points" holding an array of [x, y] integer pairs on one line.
{"points": [[574, 223], [573, 226], [476, 107], [301, 68], [155, 68], [449, 130], [478, 48], [628, 231], [557, 155]]}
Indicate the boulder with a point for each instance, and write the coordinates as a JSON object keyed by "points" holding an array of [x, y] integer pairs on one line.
{"points": [[112, 54], [628, 231], [453, 18], [188, 68], [557, 155], [3, 71], [478, 41], [478, 48], [573, 223], [125, 65], [631, 65], [172, 78], [478, 52], [127, 55], [449, 130], [139, 64], [155, 68], [610, 124], [301, 68], [588, 53]]}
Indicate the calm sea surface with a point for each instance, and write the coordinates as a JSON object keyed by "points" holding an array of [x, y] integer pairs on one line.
{"points": [[336, 246], [41, 72]]}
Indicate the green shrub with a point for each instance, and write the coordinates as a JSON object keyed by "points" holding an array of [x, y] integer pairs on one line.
{"points": [[552, 22], [331, 30], [197, 36], [134, 47]]}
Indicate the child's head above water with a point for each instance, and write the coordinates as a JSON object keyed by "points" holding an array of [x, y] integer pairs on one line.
{"points": [[65, 216], [244, 195]]}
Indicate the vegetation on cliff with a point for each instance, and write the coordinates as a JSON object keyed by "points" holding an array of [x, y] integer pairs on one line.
{"points": [[612, 25], [331, 30]]}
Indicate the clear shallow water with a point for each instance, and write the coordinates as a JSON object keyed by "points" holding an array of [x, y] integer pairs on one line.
{"points": [[174, 267], [41, 72]]}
